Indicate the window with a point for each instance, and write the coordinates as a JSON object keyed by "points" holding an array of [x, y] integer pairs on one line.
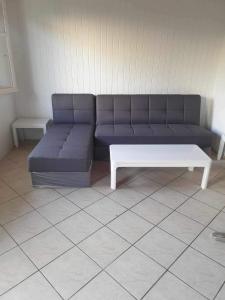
{"points": [[7, 75]]}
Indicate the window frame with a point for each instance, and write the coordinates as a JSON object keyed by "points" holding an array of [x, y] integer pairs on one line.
{"points": [[5, 34]]}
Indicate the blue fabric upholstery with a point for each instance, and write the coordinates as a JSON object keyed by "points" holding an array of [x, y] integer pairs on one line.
{"points": [[73, 108], [148, 109], [68, 143], [148, 119], [64, 148], [106, 135]]}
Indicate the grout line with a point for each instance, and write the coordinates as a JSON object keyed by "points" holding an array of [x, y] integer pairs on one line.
{"points": [[36, 272], [18, 245], [222, 286], [180, 279], [125, 240], [205, 226], [105, 225]]}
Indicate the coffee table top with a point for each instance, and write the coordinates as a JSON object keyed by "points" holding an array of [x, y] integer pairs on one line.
{"points": [[160, 154]]}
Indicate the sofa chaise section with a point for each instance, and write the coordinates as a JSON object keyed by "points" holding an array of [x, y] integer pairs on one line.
{"points": [[148, 119], [64, 155]]}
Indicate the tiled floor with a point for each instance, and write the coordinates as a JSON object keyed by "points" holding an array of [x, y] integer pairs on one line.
{"points": [[149, 239]]}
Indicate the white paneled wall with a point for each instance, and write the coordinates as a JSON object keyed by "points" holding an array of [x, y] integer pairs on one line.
{"points": [[7, 116], [218, 120], [119, 46]]}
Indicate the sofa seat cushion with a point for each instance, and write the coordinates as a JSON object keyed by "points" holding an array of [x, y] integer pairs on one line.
{"points": [[152, 134], [64, 148]]}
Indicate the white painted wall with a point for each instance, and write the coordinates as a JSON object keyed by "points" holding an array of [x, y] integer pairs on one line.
{"points": [[218, 120], [7, 116], [119, 46]]}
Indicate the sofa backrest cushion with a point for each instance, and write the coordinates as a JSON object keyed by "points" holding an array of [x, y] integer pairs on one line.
{"points": [[148, 109], [73, 108]]}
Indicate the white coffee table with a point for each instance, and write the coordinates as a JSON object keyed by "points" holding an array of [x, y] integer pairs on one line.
{"points": [[189, 156], [28, 123]]}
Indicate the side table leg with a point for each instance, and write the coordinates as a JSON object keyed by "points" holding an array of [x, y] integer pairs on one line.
{"points": [[113, 176], [191, 169], [205, 177], [221, 147], [15, 137], [44, 130]]}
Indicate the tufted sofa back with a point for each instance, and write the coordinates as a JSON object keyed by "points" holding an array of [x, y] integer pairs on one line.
{"points": [[73, 108], [148, 109]]}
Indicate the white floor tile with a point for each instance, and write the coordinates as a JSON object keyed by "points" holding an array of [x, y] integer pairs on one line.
{"points": [[15, 267], [160, 176], [144, 185], [126, 196], [212, 198], [221, 294], [6, 242], [46, 246], [218, 224], [27, 226], [130, 226], [181, 227], [6, 193], [169, 197], [105, 210], [104, 246], [84, 197], [6, 166], [103, 287], [70, 272], [65, 191], [13, 209], [174, 171], [136, 272], [195, 176], [218, 187], [79, 226], [58, 210], [15, 174], [198, 211], [21, 185], [152, 210], [161, 246], [184, 186], [125, 175], [171, 288], [73, 273], [199, 272], [35, 287], [41, 197], [103, 185], [208, 246]]}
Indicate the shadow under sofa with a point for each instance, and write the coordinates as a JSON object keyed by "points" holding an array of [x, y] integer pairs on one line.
{"points": [[84, 126]]}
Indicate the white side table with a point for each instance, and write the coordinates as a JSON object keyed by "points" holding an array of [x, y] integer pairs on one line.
{"points": [[28, 123], [221, 147]]}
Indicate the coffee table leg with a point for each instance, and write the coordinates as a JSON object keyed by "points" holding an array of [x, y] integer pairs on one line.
{"points": [[113, 176], [205, 177], [221, 148]]}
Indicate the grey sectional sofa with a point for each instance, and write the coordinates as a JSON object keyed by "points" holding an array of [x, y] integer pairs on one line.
{"points": [[64, 155], [148, 119], [84, 126]]}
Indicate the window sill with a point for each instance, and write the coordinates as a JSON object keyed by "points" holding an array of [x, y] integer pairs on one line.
{"points": [[5, 91]]}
